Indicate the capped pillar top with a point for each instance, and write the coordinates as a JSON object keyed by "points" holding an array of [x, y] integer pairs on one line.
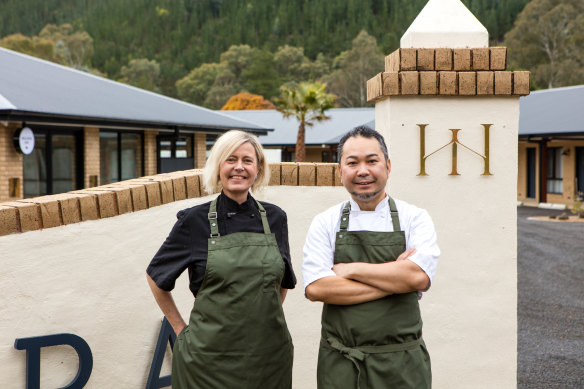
{"points": [[445, 23]]}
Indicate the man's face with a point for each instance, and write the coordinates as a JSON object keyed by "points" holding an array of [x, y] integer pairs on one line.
{"points": [[364, 170]]}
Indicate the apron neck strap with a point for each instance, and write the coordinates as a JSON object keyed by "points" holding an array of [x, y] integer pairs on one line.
{"points": [[345, 216], [392, 211], [212, 216], [264, 218], [213, 224], [394, 215]]}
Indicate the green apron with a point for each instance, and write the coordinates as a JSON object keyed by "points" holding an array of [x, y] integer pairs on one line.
{"points": [[377, 344], [237, 335]]}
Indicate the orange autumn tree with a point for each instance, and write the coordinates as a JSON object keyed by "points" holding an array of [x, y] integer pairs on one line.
{"points": [[246, 100]]}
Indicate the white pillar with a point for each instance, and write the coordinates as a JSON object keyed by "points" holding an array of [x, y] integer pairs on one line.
{"points": [[470, 312]]}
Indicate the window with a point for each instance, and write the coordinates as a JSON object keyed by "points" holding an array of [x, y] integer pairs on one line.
{"points": [[56, 163], [120, 156], [554, 170]]}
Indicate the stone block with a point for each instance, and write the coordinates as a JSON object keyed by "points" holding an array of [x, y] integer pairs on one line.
{"points": [[275, 174], [521, 83], [9, 223], [289, 173], [50, 211], [428, 83], [498, 58], [153, 193], [88, 207], [425, 60], [139, 198], [443, 59], [407, 59], [179, 188], [124, 200], [325, 174], [193, 185], [392, 62], [337, 177], [375, 88], [467, 83], [306, 174], [409, 82], [447, 83], [70, 212], [462, 59], [106, 201], [29, 215], [485, 83], [503, 83], [390, 84], [480, 58]]}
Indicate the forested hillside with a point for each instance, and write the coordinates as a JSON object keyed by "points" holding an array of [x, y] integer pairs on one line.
{"points": [[167, 40]]}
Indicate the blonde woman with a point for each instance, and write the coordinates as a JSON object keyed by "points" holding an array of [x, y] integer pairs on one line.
{"points": [[237, 253]]}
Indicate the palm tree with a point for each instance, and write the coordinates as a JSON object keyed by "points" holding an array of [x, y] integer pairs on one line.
{"points": [[308, 102]]}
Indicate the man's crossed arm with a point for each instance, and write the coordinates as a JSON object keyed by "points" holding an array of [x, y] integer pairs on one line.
{"points": [[359, 282]]}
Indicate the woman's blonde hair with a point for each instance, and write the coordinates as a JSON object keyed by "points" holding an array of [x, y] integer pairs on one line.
{"points": [[225, 145]]}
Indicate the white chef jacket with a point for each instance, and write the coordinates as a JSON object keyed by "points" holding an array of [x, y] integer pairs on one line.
{"points": [[318, 256]]}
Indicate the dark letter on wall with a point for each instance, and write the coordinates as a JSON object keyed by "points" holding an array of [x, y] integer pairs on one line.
{"points": [[33, 347], [165, 335]]}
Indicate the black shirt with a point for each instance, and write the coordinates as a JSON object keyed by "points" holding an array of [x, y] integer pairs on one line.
{"points": [[186, 246]]}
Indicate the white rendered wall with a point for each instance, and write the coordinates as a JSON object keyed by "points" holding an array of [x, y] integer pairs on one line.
{"points": [[89, 279], [470, 313]]}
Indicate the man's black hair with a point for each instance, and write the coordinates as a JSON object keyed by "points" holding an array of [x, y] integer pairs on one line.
{"points": [[365, 132]]}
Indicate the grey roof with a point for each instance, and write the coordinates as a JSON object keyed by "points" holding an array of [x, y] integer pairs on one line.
{"points": [[34, 88], [325, 132], [552, 112]]}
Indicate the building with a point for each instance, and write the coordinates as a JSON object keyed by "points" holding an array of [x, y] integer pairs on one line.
{"points": [[90, 131], [551, 146]]}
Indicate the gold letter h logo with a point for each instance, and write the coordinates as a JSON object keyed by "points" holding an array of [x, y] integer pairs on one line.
{"points": [[454, 142]]}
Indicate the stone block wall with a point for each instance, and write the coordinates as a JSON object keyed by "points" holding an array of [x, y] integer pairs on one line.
{"points": [[138, 194], [448, 72]]}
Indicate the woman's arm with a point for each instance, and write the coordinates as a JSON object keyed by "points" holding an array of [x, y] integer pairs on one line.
{"points": [[283, 292], [167, 306]]}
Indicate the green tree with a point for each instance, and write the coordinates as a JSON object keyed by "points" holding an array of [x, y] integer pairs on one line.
{"points": [[548, 40], [142, 73], [35, 46], [195, 86], [307, 102], [261, 77], [352, 70], [73, 46]]}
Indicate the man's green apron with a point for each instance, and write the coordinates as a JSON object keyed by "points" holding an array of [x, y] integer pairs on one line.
{"points": [[377, 344], [237, 336]]}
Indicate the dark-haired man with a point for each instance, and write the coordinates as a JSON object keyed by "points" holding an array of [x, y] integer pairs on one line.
{"points": [[369, 260]]}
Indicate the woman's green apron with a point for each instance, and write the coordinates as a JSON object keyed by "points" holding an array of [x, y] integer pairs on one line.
{"points": [[237, 336], [377, 344]]}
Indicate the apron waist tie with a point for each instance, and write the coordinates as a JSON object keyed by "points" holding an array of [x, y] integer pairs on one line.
{"points": [[358, 354]]}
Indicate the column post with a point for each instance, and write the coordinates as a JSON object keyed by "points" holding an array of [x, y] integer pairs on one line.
{"points": [[462, 168]]}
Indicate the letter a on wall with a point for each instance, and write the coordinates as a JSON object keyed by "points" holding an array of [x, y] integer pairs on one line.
{"points": [[165, 336], [33, 347]]}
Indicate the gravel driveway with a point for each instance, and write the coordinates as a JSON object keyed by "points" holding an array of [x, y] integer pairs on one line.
{"points": [[550, 302]]}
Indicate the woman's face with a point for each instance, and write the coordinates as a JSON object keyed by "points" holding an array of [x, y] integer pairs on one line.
{"points": [[238, 172]]}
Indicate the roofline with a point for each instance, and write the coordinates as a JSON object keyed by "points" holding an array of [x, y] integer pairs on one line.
{"points": [[64, 119], [551, 136], [551, 90]]}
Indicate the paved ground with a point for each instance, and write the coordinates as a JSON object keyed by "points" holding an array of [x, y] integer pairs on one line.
{"points": [[550, 302]]}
